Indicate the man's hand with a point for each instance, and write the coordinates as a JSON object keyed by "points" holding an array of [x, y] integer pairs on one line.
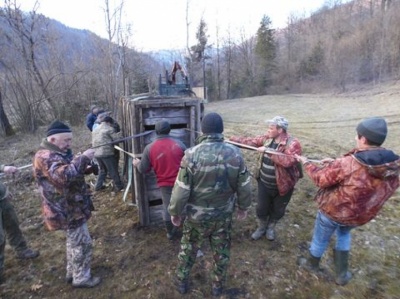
{"points": [[10, 169], [241, 214], [135, 162], [89, 153], [176, 220], [301, 159], [261, 149]]}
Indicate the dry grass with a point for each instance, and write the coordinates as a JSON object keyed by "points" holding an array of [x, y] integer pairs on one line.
{"points": [[137, 262]]}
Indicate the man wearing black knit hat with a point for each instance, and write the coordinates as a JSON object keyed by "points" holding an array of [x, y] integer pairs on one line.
{"points": [[212, 182], [66, 199], [163, 155], [353, 189]]}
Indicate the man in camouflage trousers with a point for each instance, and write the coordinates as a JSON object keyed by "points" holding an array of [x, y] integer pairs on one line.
{"points": [[66, 199], [212, 180], [9, 226]]}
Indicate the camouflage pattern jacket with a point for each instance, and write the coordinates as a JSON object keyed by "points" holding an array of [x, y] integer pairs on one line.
{"points": [[287, 174], [66, 198], [212, 178], [354, 187], [3, 188], [104, 134]]}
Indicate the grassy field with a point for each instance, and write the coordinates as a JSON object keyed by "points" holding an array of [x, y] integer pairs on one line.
{"points": [[137, 262]]}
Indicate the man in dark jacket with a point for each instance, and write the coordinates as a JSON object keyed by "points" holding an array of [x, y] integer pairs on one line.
{"points": [[353, 189], [91, 117], [212, 181], [66, 199], [9, 226], [164, 156]]}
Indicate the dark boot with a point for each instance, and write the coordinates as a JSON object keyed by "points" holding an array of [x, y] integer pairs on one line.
{"points": [[270, 234], [2, 278], [341, 259], [171, 229], [311, 263], [182, 286], [217, 289], [27, 254]]}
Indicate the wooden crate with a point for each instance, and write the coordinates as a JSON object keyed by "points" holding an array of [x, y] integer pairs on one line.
{"points": [[139, 114]]}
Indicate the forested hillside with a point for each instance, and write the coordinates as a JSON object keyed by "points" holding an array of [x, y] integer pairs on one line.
{"points": [[51, 71]]}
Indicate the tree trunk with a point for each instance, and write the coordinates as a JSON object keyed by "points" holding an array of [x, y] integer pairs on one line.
{"points": [[4, 123]]}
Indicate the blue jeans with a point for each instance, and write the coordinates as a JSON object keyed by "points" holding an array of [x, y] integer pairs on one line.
{"points": [[324, 228]]}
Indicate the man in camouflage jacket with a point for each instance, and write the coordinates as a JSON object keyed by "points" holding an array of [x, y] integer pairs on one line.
{"points": [[212, 180], [277, 174], [353, 189], [66, 199], [9, 226]]}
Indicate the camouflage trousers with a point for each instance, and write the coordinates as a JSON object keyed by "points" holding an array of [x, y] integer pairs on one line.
{"points": [[9, 227], [79, 253], [218, 234]]}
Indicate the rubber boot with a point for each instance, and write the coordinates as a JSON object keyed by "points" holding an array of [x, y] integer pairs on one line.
{"points": [[182, 286], [171, 229], [260, 231], [270, 234], [341, 259], [311, 263]]}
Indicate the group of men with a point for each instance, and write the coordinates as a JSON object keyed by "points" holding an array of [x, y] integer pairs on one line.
{"points": [[203, 185]]}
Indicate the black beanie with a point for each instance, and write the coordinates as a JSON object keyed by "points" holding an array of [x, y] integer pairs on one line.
{"points": [[212, 123], [374, 129], [57, 127], [162, 127]]}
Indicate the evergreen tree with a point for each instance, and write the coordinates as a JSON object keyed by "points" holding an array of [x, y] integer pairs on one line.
{"points": [[266, 52]]}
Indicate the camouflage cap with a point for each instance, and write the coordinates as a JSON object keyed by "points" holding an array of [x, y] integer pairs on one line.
{"points": [[279, 121]]}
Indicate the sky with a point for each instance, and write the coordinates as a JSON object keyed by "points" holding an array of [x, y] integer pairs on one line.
{"points": [[161, 24]]}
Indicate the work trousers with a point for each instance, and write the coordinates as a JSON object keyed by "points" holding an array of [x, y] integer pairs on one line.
{"points": [[108, 165], [79, 253], [271, 205], [218, 233], [9, 227]]}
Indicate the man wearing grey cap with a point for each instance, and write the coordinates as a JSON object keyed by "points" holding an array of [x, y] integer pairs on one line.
{"points": [[353, 189], [164, 156], [277, 174]]}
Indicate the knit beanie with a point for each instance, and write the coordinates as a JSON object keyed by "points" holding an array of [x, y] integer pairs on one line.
{"points": [[212, 123], [57, 127], [162, 127], [374, 129]]}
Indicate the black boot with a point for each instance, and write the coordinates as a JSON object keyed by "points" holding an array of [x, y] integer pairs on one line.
{"points": [[341, 259], [311, 263], [182, 286], [171, 229]]}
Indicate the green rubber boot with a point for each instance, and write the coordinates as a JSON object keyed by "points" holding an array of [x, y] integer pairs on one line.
{"points": [[341, 258]]}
